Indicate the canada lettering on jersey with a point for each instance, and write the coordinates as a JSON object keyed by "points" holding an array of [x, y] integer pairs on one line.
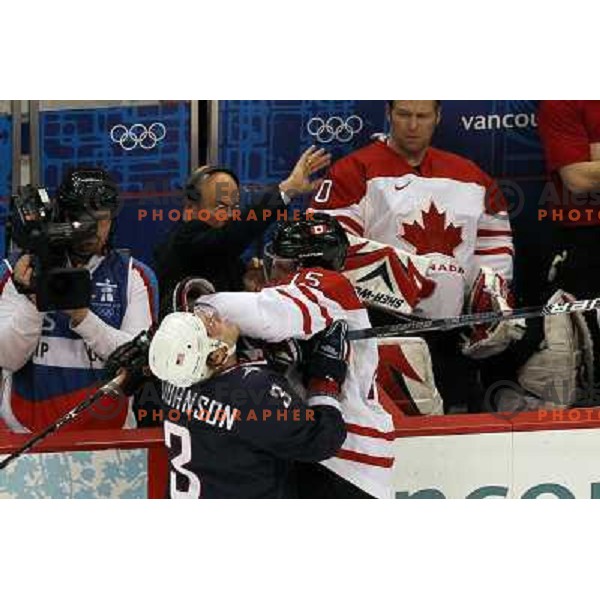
{"points": [[446, 268]]}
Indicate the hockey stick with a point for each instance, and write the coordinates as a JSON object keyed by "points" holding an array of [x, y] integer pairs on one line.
{"points": [[445, 324], [110, 388], [188, 290]]}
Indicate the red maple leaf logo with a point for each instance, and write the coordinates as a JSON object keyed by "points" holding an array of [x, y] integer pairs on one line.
{"points": [[433, 235]]}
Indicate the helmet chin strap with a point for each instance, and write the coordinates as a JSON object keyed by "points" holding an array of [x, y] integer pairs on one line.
{"points": [[230, 352], [230, 349]]}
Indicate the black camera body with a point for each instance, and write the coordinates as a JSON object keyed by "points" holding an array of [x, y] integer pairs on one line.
{"points": [[37, 229]]}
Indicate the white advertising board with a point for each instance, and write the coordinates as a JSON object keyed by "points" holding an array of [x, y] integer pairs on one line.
{"points": [[535, 464]]}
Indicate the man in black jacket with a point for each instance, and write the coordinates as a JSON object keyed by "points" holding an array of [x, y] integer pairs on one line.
{"points": [[214, 233]]}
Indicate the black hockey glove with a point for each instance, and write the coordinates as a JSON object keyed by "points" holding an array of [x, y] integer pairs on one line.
{"points": [[249, 349], [284, 356], [133, 357], [326, 368]]}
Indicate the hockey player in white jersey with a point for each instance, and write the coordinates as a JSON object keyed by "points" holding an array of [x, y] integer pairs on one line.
{"points": [[306, 293]]}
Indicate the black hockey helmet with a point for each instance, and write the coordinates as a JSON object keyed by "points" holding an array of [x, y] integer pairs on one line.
{"points": [[315, 240], [86, 190]]}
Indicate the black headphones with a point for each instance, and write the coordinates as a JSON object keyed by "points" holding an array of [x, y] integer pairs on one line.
{"points": [[202, 174]]}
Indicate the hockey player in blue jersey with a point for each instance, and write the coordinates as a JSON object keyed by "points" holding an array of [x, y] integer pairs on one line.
{"points": [[233, 429]]}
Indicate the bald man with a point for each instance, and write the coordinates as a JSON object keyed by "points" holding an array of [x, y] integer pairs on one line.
{"points": [[214, 233]]}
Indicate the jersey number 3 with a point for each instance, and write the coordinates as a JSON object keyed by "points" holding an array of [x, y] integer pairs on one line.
{"points": [[192, 489]]}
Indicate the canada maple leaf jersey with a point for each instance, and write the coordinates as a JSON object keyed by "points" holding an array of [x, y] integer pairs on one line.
{"points": [[447, 209], [235, 435], [299, 308]]}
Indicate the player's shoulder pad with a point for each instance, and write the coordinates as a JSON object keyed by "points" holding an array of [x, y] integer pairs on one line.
{"points": [[355, 164], [337, 287], [460, 167], [363, 154]]}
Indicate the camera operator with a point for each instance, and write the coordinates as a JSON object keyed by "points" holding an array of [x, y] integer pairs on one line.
{"points": [[53, 359], [215, 232]]}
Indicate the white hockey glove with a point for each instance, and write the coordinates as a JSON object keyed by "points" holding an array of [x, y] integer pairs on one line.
{"points": [[405, 372], [385, 277], [564, 363], [490, 294]]}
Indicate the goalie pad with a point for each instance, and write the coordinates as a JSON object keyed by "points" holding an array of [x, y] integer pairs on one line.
{"points": [[564, 363], [490, 294], [405, 372], [385, 277]]}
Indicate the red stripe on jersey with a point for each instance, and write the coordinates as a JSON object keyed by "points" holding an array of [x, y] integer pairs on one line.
{"points": [[493, 232], [306, 320], [333, 285], [148, 289], [348, 223], [371, 432], [375, 461], [501, 250], [324, 312]]}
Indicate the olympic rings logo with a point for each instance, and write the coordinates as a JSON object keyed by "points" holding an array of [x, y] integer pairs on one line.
{"points": [[334, 129], [138, 135]]}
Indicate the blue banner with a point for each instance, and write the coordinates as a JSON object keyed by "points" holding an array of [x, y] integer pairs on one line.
{"points": [[261, 140], [145, 148]]}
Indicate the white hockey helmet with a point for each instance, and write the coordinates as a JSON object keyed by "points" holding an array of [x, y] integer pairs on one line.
{"points": [[180, 349]]}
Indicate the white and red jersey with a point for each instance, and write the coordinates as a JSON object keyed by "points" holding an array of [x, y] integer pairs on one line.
{"points": [[447, 209], [299, 308]]}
